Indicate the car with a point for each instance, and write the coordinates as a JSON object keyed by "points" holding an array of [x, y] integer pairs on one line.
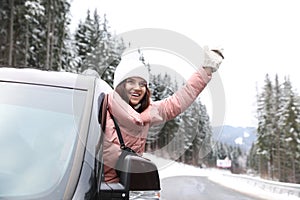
{"points": [[51, 139]]}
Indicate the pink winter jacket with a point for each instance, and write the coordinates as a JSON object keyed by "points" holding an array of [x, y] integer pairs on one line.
{"points": [[134, 126]]}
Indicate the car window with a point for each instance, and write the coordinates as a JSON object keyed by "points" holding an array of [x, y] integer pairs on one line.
{"points": [[38, 131]]}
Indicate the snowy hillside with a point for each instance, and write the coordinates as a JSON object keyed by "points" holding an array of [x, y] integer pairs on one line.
{"points": [[244, 137]]}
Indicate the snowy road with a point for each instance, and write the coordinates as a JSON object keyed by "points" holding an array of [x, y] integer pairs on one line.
{"points": [[180, 181], [198, 188]]}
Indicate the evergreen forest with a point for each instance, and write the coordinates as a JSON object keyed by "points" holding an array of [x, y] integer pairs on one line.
{"points": [[36, 34]]}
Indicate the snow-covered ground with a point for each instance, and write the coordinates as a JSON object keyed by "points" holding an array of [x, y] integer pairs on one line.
{"points": [[169, 168]]}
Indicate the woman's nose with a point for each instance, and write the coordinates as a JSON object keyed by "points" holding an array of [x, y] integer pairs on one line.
{"points": [[137, 85]]}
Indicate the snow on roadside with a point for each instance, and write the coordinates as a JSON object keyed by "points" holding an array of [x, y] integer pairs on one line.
{"points": [[169, 168], [246, 188]]}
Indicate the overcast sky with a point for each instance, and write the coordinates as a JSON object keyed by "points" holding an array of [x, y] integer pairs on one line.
{"points": [[258, 37]]}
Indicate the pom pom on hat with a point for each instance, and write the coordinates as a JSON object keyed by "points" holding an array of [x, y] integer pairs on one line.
{"points": [[130, 66]]}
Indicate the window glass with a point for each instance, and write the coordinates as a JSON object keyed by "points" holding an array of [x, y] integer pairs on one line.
{"points": [[38, 132]]}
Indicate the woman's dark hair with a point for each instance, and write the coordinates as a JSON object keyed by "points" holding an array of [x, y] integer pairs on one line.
{"points": [[145, 102]]}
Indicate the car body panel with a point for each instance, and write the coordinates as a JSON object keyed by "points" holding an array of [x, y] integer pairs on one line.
{"points": [[79, 182], [56, 116]]}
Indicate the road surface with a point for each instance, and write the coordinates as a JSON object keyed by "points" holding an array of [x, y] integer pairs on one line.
{"points": [[198, 188]]}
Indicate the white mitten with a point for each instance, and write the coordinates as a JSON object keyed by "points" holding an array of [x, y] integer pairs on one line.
{"points": [[212, 58]]}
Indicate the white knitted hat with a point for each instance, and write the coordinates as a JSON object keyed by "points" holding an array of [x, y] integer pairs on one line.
{"points": [[130, 66]]}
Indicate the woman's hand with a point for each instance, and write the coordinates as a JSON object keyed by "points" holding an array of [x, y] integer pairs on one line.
{"points": [[212, 59]]}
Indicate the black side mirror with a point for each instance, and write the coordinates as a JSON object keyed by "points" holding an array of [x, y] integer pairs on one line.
{"points": [[137, 174]]}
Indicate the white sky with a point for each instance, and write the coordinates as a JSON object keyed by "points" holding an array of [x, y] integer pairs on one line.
{"points": [[258, 37]]}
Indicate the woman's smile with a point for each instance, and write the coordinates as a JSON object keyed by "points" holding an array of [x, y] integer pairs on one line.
{"points": [[136, 89]]}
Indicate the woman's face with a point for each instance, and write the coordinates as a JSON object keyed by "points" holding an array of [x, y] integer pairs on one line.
{"points": [[135, 89]]}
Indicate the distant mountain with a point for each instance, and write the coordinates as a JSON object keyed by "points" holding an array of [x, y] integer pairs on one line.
{"points": [[235, 136]]}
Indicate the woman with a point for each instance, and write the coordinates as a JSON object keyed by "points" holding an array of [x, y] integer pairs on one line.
{"points": [[134, 111]]}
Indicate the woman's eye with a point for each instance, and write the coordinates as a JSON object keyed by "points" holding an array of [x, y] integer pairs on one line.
{"points": [[130, 81], [133, 82], [142, 84]]}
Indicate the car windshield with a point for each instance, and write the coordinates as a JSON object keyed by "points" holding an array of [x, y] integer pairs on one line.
{"points": [[38, 132]]}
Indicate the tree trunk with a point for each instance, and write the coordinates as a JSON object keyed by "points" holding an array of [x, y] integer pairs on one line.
{"points": [[293, 169], [52, 41], [26, 45], [48, 37], [278, 155], [11, 33]]}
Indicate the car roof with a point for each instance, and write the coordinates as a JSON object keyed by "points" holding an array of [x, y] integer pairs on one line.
{"points": [[51, 78]]}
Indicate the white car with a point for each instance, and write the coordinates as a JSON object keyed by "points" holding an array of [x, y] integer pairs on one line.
{"points": [[51, 140]]}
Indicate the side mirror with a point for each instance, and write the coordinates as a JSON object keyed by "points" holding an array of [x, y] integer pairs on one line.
{"points": [[139, 174]]}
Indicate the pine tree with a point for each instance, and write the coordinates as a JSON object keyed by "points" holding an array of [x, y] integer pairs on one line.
{"points": [[291, 130], [278, 132], [277, 148], [13, 26], [265, 127], [83, 41], [189, 130], [96, 47], [202, 143], [222, 151], [253, 158], [4, 30], [35, 34], [60, 44], [160, 136]]}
